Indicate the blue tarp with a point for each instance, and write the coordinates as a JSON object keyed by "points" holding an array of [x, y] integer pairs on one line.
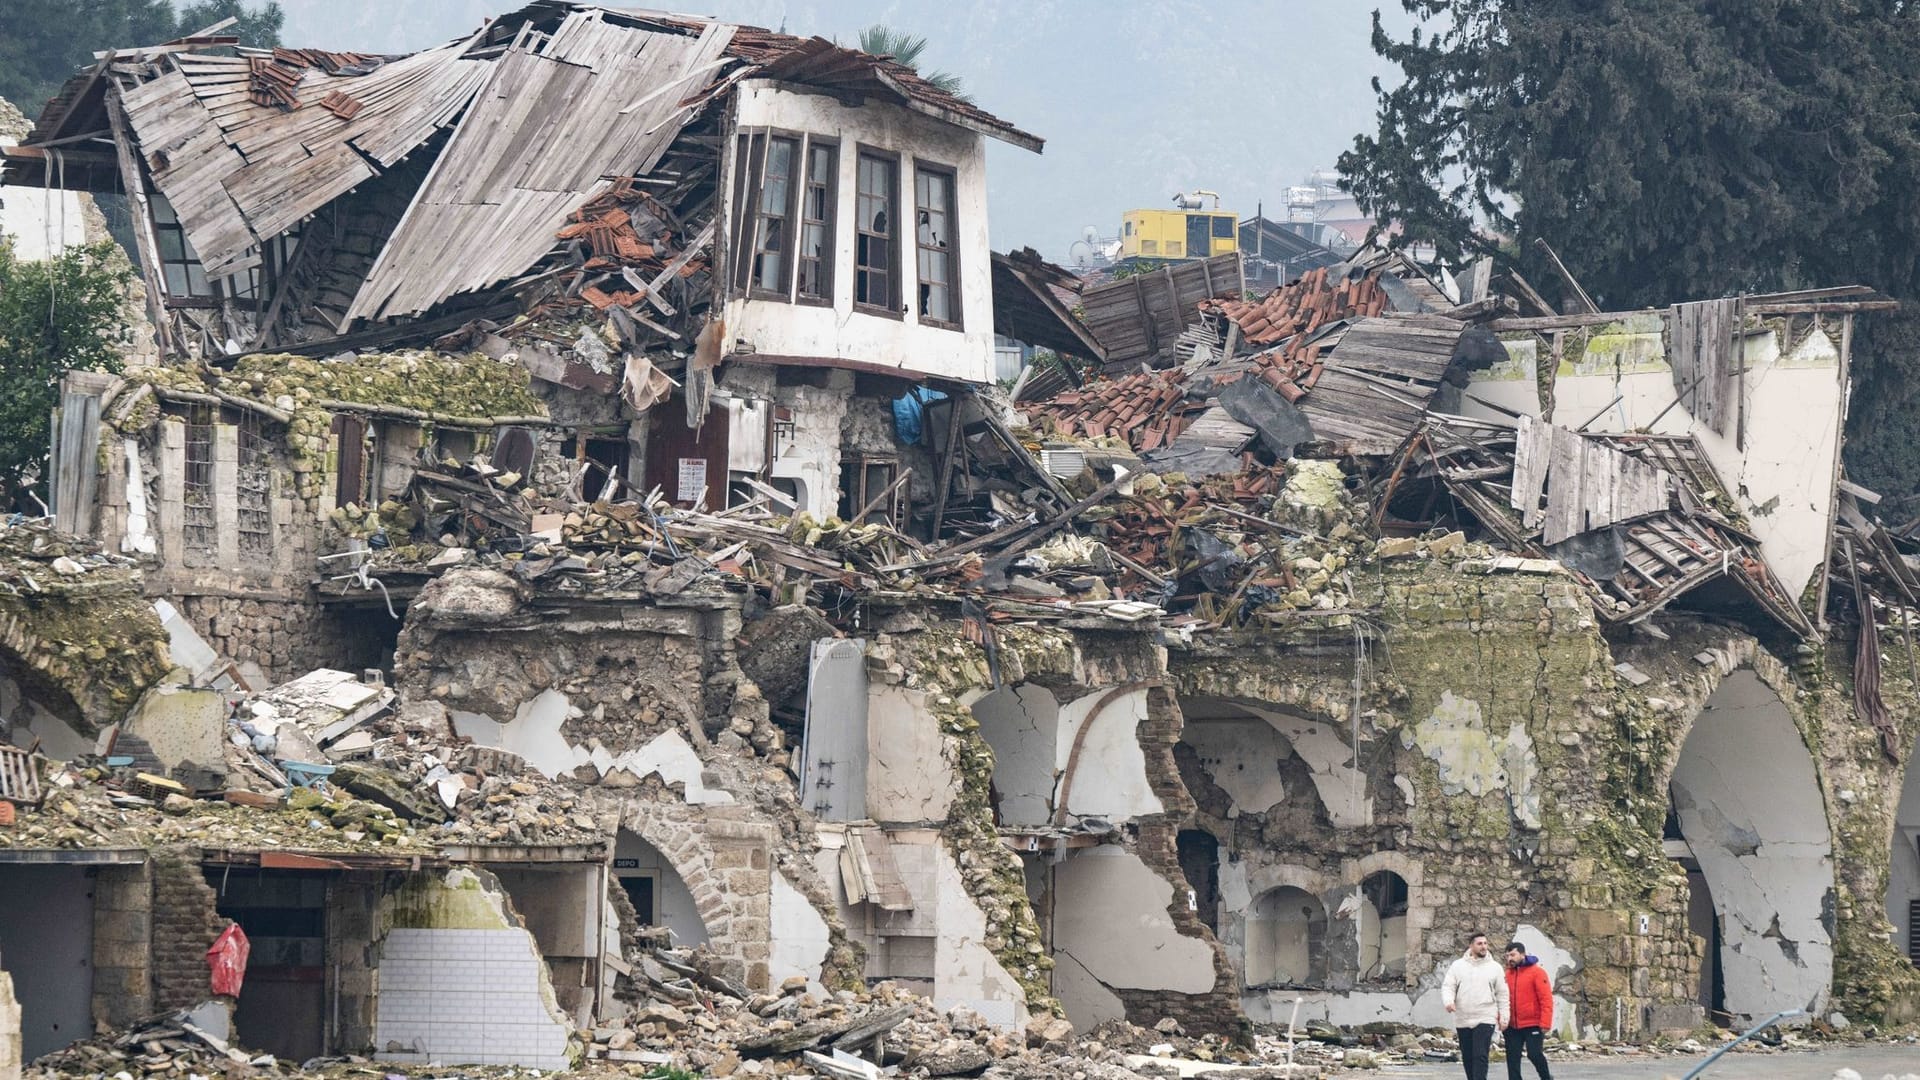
{"points": [[910, 414]]}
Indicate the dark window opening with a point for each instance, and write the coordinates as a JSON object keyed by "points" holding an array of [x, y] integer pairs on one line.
{"points": [[1223, 227], [817, 204], [185, 278], [350, 473], [933, 214], [1199, 854], [1199, 233], [599, 465], [875, 251], [864, 479], [640, 891]]}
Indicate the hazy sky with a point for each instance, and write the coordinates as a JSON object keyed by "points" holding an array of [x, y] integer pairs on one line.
{"points": [[1136, 99]]}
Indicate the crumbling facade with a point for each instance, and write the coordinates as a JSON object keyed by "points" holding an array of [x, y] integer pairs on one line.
{"points": [[527, 603]]}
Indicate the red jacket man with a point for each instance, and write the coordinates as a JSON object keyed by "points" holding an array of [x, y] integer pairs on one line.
{"points": [[1531, 994]]}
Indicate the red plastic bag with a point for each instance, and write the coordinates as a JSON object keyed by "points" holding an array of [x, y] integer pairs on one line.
{"points": [[227, 958]]}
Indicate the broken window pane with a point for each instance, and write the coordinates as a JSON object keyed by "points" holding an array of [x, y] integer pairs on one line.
{"points": [[874, 230], [774, 217], [933, 215], [816, 222]]}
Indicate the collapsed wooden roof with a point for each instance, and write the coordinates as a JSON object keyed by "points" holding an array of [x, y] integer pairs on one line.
{"points": [[527, 119], [1641, 519]]}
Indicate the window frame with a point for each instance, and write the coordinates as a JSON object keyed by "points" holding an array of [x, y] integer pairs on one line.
{"points": [[828, 262], [951, 251], [750, 179], [261, 281], [895, 305]]}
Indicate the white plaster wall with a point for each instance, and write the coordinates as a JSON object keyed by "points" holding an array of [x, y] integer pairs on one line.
{"points": [[1795, 404], [1903, 885], [40, 223], [1110, 780], [1750, 807], [799, 934], [1243, 757], [1475, 760], [1383, 942], [772, 327], [535, 735], [908, 776], [1279, 937], [670, 893], [1111, 917], [1033, 735], [1330, 761], [810, 456], [965, 971], [471, 996], [1421, 1007], [1022, 725]]}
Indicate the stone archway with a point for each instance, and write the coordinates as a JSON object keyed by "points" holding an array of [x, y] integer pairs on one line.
{"points": [[1752, 821], [1286, 942]]}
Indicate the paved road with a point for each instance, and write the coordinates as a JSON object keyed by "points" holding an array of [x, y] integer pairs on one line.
{"points": [[1872, 1062]]}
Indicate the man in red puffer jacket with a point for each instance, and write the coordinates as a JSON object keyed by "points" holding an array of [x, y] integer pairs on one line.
{"points": [[1532, 996]]}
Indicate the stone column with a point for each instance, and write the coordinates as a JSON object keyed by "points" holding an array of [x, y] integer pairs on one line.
{"points": [[226, 494]]}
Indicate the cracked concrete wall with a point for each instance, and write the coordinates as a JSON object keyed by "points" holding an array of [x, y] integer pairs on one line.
{"points": [[1085, 749], [1749, 804], [1110, 918]]}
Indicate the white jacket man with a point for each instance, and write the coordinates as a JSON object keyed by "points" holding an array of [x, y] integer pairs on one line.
{"points": [[1475, 990]]}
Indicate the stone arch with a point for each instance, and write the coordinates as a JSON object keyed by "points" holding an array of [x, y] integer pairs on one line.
{"points": [[1286, 939], [1385, 900], [660, 895], [1417, 913], [723, 860], [1753, 835], [80, 660]]}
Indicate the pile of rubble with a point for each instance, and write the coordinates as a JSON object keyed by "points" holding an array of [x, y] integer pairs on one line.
{"points": [[185, 1043]]}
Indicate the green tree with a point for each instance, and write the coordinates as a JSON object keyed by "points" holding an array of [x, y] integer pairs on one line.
{"points": [[42, 42], [905, 49], [56, 316], [1671, 149]]}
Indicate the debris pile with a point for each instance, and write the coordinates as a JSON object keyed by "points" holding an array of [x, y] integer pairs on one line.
{"points": [[176, 1044]]}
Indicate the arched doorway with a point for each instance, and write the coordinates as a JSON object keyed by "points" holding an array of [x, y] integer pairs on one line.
{"points": [[1753, 831], [659, 895], [1383, 927], [1286, 939]]}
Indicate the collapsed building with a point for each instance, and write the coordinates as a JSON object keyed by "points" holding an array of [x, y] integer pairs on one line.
{"points": [[570, 521]]}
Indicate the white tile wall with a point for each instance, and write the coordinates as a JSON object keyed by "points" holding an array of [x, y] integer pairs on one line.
{"points": [[469, 997]]}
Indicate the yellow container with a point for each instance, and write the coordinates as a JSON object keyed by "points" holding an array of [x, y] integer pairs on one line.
{"points": [[1178, 234]]}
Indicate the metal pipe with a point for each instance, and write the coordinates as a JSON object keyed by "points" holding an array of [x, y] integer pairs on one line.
{"points": [[1715, 1056]]}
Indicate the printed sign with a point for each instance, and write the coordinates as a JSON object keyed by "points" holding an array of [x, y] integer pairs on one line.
{"points": [[693, 479]]}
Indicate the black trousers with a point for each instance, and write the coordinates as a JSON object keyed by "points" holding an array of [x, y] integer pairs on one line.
{"points": [[1476, 1047], [1530, 1041]]}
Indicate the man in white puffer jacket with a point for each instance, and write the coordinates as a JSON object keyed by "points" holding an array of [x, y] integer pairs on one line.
{"points": [[1475, 992]]}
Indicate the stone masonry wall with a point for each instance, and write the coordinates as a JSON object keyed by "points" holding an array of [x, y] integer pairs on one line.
{"points": [[184, 926], [123, 945]]}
